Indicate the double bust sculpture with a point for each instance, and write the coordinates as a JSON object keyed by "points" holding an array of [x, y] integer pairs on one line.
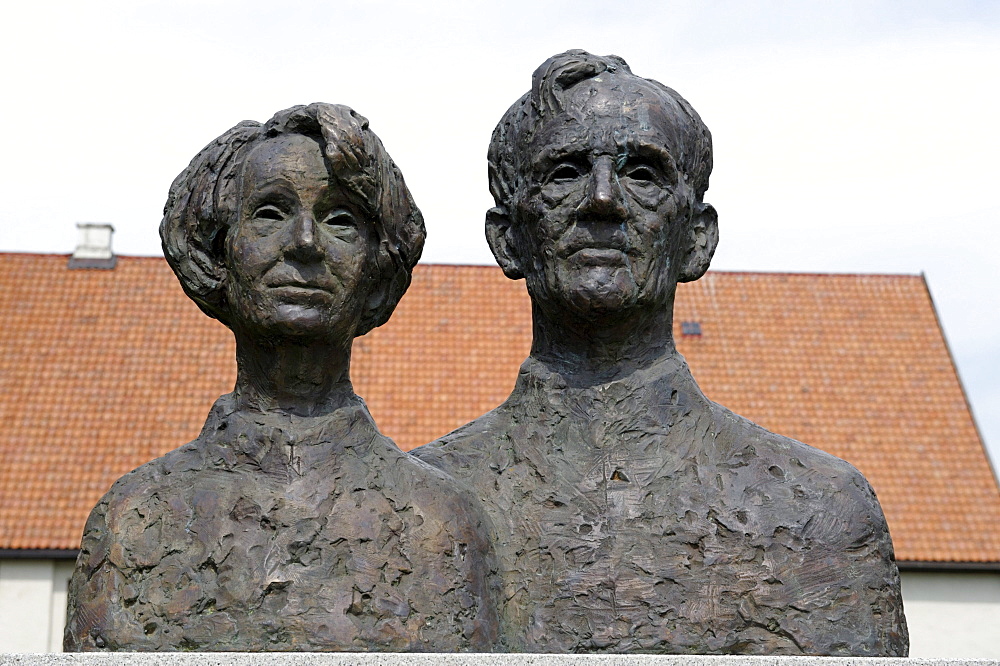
{"points": [[606, 506]]}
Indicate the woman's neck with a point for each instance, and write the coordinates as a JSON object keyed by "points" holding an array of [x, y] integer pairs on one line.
{"points": [[301, 377]]}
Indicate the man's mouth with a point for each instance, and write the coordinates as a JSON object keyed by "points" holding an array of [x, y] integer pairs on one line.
{"points": [[298, 285], [599, 256], [596, 249]]}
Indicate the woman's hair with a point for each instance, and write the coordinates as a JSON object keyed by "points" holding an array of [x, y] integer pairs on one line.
{"points": [[204, 203]]}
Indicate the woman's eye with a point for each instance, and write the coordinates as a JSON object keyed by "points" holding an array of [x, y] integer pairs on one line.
{"points": [[269, 212]]}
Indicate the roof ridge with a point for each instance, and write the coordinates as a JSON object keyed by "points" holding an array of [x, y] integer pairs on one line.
{"points": [[439, 264]]}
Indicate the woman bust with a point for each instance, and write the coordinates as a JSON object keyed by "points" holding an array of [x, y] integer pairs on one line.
{"points": [[290, 523]]}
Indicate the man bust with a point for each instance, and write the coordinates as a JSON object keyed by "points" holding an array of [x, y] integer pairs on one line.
{"points": [[631, 513]]}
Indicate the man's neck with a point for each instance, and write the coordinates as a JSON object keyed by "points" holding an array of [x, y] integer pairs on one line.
{"points": [[305, 378], [601, 349]]}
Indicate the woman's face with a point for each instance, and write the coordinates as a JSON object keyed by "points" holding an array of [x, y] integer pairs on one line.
{"points": [[297, 254]]}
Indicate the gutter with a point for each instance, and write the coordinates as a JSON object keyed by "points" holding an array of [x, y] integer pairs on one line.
{"points": [[948, 567], [39, 553]]}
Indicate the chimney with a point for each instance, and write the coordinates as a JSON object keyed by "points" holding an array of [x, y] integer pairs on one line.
{"points": [[94, 247]]}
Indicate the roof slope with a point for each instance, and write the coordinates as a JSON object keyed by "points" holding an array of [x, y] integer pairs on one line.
{"points": [[101, 371]]}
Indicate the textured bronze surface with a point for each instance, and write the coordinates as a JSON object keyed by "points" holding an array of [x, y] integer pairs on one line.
{"points": [[630, 512], [290, 523]]}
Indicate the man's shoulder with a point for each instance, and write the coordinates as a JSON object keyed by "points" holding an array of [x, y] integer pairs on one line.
{"points": [[429, 487], [813, 476], [821, 524], [467, 448]]}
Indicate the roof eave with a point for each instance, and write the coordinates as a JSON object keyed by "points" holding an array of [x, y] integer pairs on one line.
{"points": [[949, 567], [39, 553]]}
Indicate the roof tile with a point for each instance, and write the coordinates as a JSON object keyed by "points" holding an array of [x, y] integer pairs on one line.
{"points": [[103, 370]]}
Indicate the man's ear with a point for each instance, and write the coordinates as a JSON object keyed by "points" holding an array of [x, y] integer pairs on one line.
{"points": [[703, 237], [500, 236]]}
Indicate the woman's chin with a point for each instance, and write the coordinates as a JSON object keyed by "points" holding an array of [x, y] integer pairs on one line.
{"points": [[298, 321]]}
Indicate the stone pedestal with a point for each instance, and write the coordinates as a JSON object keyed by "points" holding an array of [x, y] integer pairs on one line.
{"points": [[392, 659]]}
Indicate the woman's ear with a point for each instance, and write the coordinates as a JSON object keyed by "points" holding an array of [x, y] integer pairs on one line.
{"points": [[703, 237], [385, 282], [198, 261], [500, 236]]}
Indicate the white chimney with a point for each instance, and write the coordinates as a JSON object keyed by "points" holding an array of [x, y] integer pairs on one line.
{"points": [[93, 250]]}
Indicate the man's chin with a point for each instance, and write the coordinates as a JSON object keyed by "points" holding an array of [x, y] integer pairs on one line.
{"points": [[597, 295]]}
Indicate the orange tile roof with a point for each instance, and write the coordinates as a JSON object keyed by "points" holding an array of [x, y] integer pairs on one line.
{"points": [[101, 371]]}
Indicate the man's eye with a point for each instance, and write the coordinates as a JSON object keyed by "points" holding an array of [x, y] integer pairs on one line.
{"points": [[269, 212], [340, 218], [641, 173], [564, 173]]}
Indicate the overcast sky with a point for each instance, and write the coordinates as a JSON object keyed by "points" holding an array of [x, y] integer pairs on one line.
{"points": [[849, 136]]}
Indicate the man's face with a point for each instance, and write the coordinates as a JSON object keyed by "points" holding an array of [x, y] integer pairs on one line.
{"points": [[604, 208], [297, 254]]}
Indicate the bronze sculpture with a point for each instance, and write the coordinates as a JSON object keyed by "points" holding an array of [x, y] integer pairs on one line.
{"points": [[632, 514], [290, 523]]}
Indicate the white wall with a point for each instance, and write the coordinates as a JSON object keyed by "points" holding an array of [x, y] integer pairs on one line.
{"points": [[952, 614], [33, 604]]}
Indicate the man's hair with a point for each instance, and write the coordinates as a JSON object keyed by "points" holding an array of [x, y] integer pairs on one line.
{"points": [[204, 199], [551, 85]]}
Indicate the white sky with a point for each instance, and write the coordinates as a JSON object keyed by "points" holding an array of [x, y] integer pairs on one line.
{"points": [[849, 136]]}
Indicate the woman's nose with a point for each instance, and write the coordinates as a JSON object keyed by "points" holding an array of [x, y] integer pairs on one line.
{"points": [[303, 245]]}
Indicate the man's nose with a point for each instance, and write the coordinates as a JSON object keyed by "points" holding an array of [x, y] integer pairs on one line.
{"points": [[604, 197], [303, 245]]}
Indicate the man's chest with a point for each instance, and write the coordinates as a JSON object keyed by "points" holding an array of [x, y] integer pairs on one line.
{"points": [[643, 543]]}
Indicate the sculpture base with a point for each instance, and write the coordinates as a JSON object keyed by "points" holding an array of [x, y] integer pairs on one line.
{"points": [[396, 659]]}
